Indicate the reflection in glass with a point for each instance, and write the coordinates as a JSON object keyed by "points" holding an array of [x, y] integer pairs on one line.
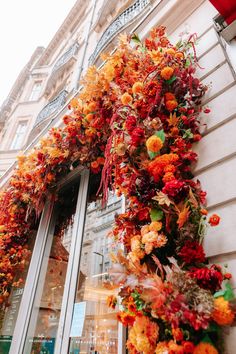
{"points": [[8, 313], [94, 328], [42, 329]]}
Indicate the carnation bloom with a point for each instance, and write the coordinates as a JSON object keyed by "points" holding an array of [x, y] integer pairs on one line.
{"points": [[205, 348], [137, 87], [130, 123], [208, 278], [192, 252], [154, 143], [173, 187], [214, 220], [126, 98], [167, 72], [222, 314]]}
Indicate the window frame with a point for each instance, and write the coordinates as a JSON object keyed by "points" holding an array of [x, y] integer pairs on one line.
{"points": [[14, 138], [35, 89], [42, 239]]}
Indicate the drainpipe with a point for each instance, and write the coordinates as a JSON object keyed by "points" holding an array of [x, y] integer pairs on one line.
{"points": [[80, 67]]}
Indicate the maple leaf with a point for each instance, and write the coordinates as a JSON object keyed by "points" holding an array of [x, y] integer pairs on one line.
{"points": [[173, 120], [183, 216], [162, 199]]}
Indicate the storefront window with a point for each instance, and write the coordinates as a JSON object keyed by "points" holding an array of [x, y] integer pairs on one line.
{"points": [[9, 312], [44, 320], [94, 328]]}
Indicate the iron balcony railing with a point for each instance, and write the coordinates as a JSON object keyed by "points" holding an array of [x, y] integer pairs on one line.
{"points": [[66, 57], [117, 25], [52, 107]]}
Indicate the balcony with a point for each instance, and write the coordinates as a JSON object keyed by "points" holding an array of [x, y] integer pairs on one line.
{"points": [[123, 20], [51, 107], [62, 64], [65, 58]]}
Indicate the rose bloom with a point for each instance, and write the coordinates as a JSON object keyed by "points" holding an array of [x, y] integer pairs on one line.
{"points": [[126, 98], [154, 143], [214, 220], [167, 72]]}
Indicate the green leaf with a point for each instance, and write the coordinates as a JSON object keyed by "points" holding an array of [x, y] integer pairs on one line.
{"points": [[187, 63], [152, 155], [156, 214], [219, 293], [135, 38], [171, 80], [188, 134], [161, 135], [229, 293], [206, 339]]}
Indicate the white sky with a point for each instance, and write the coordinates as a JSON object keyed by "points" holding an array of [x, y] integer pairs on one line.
{"points": [[24, 25]]}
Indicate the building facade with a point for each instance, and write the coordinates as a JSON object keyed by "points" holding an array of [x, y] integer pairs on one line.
{"points": [[60, 308]]}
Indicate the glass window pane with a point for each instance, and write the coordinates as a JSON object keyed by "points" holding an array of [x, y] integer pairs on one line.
{"points": [[43, 325], [94, 326], [19, 136], [8, 313]]}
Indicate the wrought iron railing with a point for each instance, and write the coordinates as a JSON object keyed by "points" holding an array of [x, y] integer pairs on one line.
{"points": [[52, 107], [66, 57], [117, 25]]}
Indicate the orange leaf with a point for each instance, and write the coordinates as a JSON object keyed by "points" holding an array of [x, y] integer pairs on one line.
{"points": [[173, 120], [183, 216]]}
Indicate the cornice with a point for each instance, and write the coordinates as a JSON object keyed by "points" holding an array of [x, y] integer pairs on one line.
{"points": [[75, 14]]}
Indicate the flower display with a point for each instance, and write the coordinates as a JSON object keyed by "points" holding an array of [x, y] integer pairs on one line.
{"points": [[134, 122]]}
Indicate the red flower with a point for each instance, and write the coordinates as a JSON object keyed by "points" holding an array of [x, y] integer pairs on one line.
{"points": [[188, 347], [130, 123], [192, 252], [214, 220], [208, 278], [137, 136], [173, 188]]}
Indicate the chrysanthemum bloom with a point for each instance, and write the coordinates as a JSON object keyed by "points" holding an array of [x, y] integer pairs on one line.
{"points": [[162, 348], [126, 98], [154, 143], [171, 105], [125, 318], [137, 87], [205, 348], [167, 72], [222, 314], [155, 226], [214, 220], [192, 252]]}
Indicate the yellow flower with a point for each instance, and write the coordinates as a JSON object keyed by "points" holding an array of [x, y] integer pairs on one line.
{"points": [[154, 143], [126, 98], [137, 87], [222, 314], [167, 72], [205, 348]]}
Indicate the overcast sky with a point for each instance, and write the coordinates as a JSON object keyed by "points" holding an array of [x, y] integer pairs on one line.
{"points": [[24, 25]]}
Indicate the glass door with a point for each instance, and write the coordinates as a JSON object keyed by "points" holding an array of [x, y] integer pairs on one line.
{"points": [[47, 305], [9, 311], [94, 327]]}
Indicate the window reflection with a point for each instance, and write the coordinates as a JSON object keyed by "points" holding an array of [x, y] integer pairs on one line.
{"points": [[42, 330], [96, 332]]}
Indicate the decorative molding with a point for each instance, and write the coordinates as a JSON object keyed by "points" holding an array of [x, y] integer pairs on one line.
{"points": [[124, 19]]}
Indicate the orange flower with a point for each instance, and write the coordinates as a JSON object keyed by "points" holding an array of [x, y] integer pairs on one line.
{"points": [[126, 99], [170, 96], [100, 160], [177, 334], [111, 301], [205, 348], [94, 164], [214, 220], [155, 226], [137, 88], [167, 72], [203, 211], [168, 177], [179, 55], [125, 318], [162, 347], [170, 51], [222, 314], [171, 105], [154, 143]]}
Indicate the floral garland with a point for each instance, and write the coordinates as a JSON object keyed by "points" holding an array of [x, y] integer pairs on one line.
{"points": [[135, 121]]}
